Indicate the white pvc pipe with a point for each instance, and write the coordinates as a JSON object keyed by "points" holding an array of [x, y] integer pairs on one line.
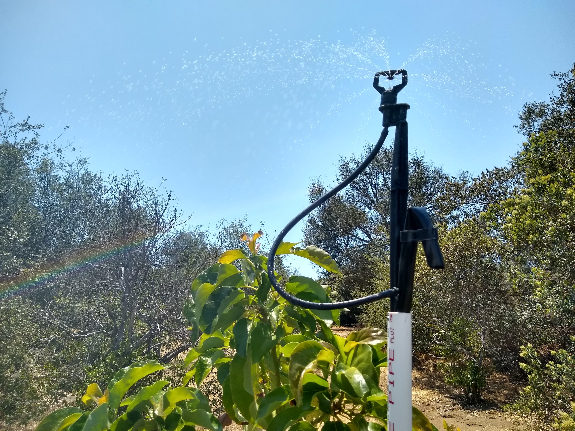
{"points": [[399, 372]]}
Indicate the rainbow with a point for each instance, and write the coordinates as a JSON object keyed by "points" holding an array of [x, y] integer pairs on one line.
{"points": [[31, 279]]}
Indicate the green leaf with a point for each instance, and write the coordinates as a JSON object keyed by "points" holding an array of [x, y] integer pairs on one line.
{"points": [[353, 382], [93, 393], [210, 276], [319, 257], [285, 418], [144, 394], [98, 419], [264, 289], [231, 315], [272, 401], [223, 372], [211, 342], [324, 401], [241, 397], [298, 284], [262, 341], [225, 272], [248, 271], [218, 300], [311, 385], [172, 420], [335, 426], [231, 255], [361, 358], [241, 335], [379, 355], [54, 420], [79, 424], [201, 418], [420, 422], [203, 367], [302, 426], [200, 402], [174, 396], [302, 356], [335, 340], [126, 421], [286, 248], [69, 421], [228, 400], [293, 338], [288, 349], [370, 336], [125, 378]]}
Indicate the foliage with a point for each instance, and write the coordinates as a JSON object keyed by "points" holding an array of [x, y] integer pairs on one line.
{"points": [[94, 271], [279, 366], [551, 389]]}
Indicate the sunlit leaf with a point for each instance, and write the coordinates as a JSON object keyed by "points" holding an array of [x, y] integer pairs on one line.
{"points": [[302, 356], [144, 394], [126, 377], [286, 248], [241, 397], [319, 257], [420, 422], [93, 393], [54, 420], [174, 396], [231, 255], [98, 419]]}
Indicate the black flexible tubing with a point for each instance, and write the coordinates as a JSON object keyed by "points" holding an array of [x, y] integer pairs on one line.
{"points": [[296, 220]]}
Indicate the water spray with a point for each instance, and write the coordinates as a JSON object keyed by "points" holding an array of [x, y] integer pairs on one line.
{"points": [[408, 226]]}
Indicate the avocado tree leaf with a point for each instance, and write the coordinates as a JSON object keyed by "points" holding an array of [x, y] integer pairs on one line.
{"points": [[217, 302], [201, 418], [174, 396], [297, 284], [317, 256], [286, 417], [353, 382], [54, 420], [98, 419], [231, 255], [368, 336], [301, 357], [125, 378], [419, 421], [311, 385], [302, 426], [228, 400], [262, 341], [242, 399], [79, 424], [241, 336], [144, 394], [235, 312], [335, 426], [286, 248], [272, 401]]}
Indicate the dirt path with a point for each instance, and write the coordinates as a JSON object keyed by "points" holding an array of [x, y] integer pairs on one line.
{"points": [[440, 402]]}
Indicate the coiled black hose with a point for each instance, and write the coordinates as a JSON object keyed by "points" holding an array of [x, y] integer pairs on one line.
{"points": [[296, 220]]}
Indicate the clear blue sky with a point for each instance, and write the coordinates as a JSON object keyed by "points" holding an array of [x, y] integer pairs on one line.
{"points": [[239, 104]]}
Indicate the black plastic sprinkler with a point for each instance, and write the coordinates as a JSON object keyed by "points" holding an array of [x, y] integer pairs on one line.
{"points": [[408, 226]]}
